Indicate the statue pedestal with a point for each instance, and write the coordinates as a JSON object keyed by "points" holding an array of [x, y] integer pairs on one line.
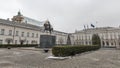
{"points": [[47, 41]]}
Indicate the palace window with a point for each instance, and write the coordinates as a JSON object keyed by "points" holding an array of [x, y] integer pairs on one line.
{"points": [[1, 41], [16, 33], [111, 36], [27, 34], [2, 31], [107, 43], [10, 32], [119, 37], [32, 34], [111, 43], [15, 41], [33, 42], [36, 35], [103, 43], [27, 42], [22, 34]]}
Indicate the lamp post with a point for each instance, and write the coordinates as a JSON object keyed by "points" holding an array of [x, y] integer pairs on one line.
{"points": [[107, 42], [13, 32], [16, 19], [85, 32]]}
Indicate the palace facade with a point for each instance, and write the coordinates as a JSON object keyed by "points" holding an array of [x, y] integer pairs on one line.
{"points": [[19, 30], [109, 36]]}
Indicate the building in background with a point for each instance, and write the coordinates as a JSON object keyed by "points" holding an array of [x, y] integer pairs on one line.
{"points": [[109, 36]]}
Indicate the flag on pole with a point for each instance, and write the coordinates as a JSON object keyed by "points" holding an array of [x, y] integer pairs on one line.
{"points": [[84, 27], [96, 24], [87, 27], [92, 25]]}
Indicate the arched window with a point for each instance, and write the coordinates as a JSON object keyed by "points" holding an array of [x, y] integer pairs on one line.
{"points": [[107, 43], [103, 43], [115, 43], [111, 43]]}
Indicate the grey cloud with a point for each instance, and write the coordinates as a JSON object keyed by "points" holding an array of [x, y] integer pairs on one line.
{"points": [[69, 15]]}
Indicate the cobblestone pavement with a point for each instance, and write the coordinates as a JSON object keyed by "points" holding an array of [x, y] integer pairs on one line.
{"points": [[19, 58]]}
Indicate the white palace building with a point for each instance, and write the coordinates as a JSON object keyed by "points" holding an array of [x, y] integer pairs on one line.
{"points": [[109, 36], [19, 29]]}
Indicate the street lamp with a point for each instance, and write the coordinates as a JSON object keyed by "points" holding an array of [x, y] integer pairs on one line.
{"points": [[13, 32], [16, 19]]}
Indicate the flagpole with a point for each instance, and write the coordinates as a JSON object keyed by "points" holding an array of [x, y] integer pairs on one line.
{"points": [[92, 26], [85, 35], [96, 24]]}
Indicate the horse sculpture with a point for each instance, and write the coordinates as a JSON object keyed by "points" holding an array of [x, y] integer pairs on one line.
{"points": [[48, 27]]}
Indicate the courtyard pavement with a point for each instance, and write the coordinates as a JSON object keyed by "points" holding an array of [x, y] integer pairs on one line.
{"points": [[36, 58]]}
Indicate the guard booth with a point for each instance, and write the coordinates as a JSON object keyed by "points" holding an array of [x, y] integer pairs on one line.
{"points": [[47, 41]]}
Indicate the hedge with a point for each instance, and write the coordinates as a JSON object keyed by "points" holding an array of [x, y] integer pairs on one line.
{"points": [[72, 50], [17, 45]]}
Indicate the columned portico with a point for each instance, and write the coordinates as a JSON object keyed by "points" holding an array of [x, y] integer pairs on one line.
{"points": [[109, 36]]}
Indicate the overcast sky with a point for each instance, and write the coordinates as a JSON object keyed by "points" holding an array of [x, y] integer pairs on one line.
{"points": [[66, 15]]}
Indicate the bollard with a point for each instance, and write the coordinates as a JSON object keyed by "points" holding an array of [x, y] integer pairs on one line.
{"points": [[46, 50], [9, 48]]}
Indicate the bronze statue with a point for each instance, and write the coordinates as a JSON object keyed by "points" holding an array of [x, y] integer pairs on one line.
{"points": [[48, 27]]}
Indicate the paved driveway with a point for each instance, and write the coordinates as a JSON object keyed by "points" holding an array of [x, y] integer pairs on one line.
{"points": [[21, 58]]}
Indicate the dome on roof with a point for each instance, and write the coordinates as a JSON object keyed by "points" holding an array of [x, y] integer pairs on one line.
{"points": [[18, 18], [23, 19], [19, 13]]}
